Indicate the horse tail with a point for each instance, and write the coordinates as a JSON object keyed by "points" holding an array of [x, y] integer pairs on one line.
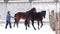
{"points": [[15, 20], [15, 17]]}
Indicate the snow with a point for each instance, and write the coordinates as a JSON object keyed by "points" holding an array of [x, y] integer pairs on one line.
{"points": [[21, 30]]}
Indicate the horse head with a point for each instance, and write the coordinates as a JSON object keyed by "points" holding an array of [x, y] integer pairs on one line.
{"points": [[43, 13]]}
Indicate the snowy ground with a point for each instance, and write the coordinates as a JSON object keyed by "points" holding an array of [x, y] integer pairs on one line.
{"points": [[21, 30]]}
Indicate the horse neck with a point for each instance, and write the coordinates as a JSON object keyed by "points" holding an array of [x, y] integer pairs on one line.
{"points": [[43, 14]]}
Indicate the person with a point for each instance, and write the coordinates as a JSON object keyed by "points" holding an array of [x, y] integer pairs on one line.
{"points": [[8, 18]]}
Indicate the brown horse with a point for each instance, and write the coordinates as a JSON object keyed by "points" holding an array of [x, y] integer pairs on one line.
{"points": [[22, 15]]}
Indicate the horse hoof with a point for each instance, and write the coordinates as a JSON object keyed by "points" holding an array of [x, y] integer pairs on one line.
{"points": [[5, 28], [26, 28], [53, 29], [35, 29], [17, 26], [39, 28]]}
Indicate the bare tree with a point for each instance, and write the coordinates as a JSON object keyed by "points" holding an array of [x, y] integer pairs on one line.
{"points": [[6, 1], [31, 1], [56, 1]]}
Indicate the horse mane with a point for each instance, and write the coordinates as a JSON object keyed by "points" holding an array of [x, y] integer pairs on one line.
{"points": [[33, 10]]}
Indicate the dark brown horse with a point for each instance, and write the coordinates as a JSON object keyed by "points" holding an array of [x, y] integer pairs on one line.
{"points": [[35, 16], [22, 15]]}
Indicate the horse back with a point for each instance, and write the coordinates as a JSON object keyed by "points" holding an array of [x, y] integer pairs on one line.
{"points": [[21, 15]]}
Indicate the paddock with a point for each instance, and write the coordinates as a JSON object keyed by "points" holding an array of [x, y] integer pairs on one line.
{"points": [[24, 5]]}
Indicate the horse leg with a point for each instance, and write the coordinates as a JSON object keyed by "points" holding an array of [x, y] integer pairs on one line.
{"points": [[15, 20], [14, 24], [17, 23], [33, 24], [41, 23], [38, 24], [26, 24]]}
